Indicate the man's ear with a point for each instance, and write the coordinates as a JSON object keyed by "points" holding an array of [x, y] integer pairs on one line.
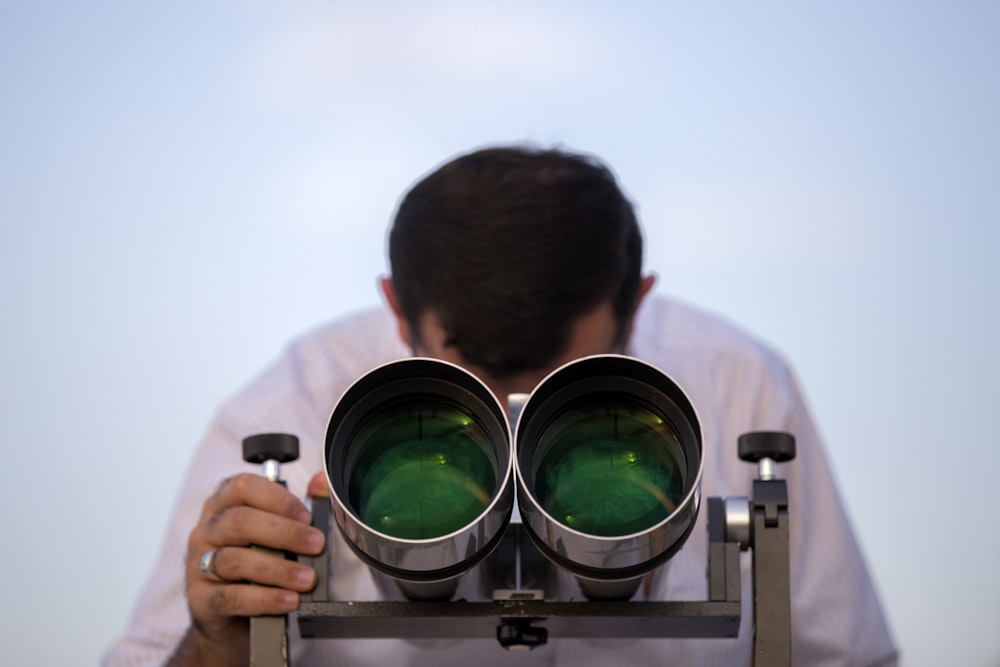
{"points": [[389, 292], [645, 287]]}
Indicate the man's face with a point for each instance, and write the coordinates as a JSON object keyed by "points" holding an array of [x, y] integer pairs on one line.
{"points": [[593, 333]]}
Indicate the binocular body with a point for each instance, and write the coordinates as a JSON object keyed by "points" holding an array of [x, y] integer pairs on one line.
{"points": [[601, 464]]}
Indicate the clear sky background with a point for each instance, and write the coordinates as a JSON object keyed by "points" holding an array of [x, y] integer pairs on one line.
{"points": [[185, 186]]}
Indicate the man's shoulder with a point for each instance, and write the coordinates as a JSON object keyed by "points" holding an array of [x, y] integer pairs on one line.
{"points": [[369, 332], [670, 321], [316, 366], [347, 346], [674, 334]]}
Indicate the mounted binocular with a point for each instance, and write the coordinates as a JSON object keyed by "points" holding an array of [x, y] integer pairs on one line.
{"points": [[604, 459], [600, 468]]}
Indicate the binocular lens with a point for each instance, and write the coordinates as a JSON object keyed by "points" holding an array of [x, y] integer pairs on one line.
{"points": [[422, 481], [606, 466], [418, 458], [421, 469], [609, 467]]}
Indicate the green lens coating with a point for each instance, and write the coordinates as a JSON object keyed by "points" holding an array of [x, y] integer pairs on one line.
{"points": [[421, 469], [608, 467]]}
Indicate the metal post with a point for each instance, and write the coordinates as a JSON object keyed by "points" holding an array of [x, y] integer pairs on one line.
{"points": [[269, 634], [771, 585]]}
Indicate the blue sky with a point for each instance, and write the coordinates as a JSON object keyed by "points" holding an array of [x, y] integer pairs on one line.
{"points": [[185, 187]]}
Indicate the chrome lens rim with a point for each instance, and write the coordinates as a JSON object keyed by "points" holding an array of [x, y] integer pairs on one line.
{"points": [[419, 559], [609, 557]]}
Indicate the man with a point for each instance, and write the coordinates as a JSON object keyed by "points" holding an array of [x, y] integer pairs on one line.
{"points": [[508, 262]]}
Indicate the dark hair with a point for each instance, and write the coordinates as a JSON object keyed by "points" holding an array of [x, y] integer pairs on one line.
{"points": [[508, 247]]}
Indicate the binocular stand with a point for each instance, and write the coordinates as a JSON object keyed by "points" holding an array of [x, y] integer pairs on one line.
{"points": [[523, 622]]}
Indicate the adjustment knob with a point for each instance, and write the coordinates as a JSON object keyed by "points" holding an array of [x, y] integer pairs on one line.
{"points": [[280, 447], [775, 445]]}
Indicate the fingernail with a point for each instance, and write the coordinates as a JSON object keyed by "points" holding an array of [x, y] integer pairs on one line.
{"points": [[304, 516], [289, 600], [304, 576], [315, 539]]}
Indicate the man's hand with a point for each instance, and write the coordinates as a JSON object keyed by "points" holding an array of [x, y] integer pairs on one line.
{"points": [[246, 510]]}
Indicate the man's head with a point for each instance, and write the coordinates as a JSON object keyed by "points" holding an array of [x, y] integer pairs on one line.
{"points": [[511, 261]]}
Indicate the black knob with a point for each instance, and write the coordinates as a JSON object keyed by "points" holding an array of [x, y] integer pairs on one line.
{"points": [[280, 447], [521, 636], [775, 445]]}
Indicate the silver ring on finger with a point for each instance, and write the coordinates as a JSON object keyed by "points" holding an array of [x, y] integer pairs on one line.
{"points": [[207, 565]]}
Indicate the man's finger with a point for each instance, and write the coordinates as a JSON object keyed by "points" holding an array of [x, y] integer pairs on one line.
{"points": [[317, 486], [255, 491], [237, 564], [228, 600], [243, 525]]}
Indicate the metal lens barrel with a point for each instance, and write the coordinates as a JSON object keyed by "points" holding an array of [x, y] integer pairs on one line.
{"points": [[418, 460], [609, 464]]}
